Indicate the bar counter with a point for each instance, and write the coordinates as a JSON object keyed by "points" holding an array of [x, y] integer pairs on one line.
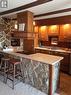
{"points": [[40, 70]]}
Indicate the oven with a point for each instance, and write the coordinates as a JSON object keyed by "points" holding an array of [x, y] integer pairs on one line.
{"points": [[15, 42]]}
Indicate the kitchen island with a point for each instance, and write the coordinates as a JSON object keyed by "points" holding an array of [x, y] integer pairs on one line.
{"points": [[40, 70]]}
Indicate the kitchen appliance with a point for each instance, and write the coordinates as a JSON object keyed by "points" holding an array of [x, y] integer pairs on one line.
{"points": [[53, 40], [15, 42]]}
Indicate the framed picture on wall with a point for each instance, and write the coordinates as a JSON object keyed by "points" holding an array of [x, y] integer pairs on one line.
{"points": [[21, 26]]}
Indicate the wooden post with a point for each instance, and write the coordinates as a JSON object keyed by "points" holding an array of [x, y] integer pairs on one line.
{"points": [[50, 79]]}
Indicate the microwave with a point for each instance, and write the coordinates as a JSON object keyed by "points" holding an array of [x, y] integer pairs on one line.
{"points": [[15, 42], [53, 40]]}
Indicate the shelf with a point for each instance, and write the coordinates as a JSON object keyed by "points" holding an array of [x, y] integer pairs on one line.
{"points": [[24, 35]]}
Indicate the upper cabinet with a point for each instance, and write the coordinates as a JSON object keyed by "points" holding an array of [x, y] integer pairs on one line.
{"points": [[45, 31], [43, 35], [62, 31], [53, 30], [65, 32], [36, 29]]}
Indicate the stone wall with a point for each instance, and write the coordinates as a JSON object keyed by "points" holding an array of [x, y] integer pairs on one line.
{"points": [[6, 27], [36, 74]]}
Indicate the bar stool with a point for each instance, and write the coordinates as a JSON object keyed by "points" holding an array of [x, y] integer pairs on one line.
{"points": [[14, 71], [1, 56], [4, 67]]}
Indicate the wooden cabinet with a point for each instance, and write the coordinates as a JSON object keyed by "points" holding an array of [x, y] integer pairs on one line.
{"points": [[65, 32], [45, 31], [42, 51], [70, 66], [53, 30], [65, 63], [43, 35], [36, 29], [28, 45], [62, 31]]}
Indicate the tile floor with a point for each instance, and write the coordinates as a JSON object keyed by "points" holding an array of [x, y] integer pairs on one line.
{"points": [[20, 89], [24, 89]]}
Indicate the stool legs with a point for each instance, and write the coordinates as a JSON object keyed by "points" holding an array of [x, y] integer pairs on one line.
{"points": [[22, 73], [4, 67], [15, 72], [5, 72], [14, 76], [10, 68]]}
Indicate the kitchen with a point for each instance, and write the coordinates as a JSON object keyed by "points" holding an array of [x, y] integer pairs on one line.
{"points": [[30, 35]]}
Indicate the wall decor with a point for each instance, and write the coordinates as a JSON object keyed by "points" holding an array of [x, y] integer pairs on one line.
{"points": [[21, 26]]}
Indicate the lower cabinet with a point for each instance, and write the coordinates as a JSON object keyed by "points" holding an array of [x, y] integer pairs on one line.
{"points": [[65, 63]]}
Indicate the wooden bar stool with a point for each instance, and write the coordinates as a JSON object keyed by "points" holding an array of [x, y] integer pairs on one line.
{"points": [[4, 67], [15, 70], [1, 56]]}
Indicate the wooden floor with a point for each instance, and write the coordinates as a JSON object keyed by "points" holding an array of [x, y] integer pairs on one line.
{"points": [[65, 84]]}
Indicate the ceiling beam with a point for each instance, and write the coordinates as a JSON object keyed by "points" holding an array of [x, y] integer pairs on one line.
{"points": [[54, 12], [36, 3]]}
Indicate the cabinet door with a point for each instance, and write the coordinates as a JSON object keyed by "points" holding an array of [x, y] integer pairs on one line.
{"points": [[70, 66], [43, 35], [53, 30], [65, 63], [36, 28], [65, 32]]}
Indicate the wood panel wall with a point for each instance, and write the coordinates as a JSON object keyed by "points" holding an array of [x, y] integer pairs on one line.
{"points": [[26, 18]]}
